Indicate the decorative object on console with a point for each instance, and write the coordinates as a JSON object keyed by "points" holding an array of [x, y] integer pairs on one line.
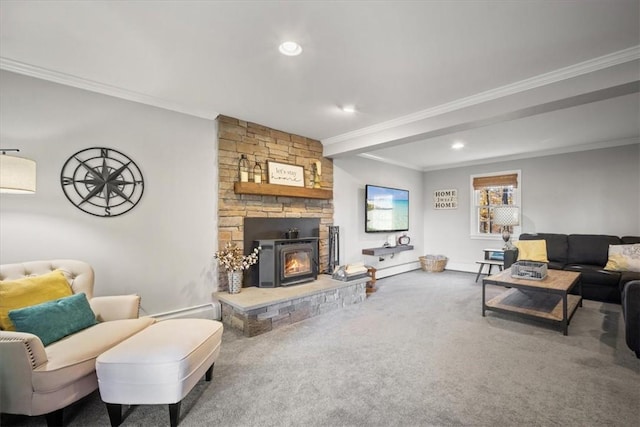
{"points": [[243, 168], [235, 281], [404, 240], [391, 241], [17, 174], [285, 174], [234, 262], [102, 182], [257, 172], [316, 172], [506, 216]]}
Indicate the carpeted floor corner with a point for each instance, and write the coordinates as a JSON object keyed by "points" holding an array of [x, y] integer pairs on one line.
{"points": [[415, 353]]}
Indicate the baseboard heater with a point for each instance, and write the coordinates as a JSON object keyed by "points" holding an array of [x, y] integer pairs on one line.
{"points": [[210, 311]]}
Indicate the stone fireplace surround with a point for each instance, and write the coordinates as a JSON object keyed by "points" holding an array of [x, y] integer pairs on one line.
{"points": [[257, 310], [261, 144]]}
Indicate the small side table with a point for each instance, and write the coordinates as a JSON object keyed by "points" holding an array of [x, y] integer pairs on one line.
{"points": [[371, 284], [491, 257]]}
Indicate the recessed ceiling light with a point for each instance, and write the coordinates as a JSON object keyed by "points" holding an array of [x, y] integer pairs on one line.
{"points": [[348, 108], [457, 145], [290, 48]]}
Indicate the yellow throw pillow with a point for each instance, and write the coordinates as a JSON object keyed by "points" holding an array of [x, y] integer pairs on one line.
{"points": [[532, 250], [624, 258], [30, 291]]}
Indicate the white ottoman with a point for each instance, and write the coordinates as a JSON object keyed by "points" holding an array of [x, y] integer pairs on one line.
{"points": [[158, 365]]}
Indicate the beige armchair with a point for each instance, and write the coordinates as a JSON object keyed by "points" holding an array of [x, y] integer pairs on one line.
{"points": [[39, 380]]}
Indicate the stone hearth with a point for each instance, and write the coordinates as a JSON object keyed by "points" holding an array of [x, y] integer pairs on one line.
{"points": [[258, 310]]}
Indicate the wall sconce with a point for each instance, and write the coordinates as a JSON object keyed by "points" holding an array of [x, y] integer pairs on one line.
{"points": [[17, 174], [506, 216]]}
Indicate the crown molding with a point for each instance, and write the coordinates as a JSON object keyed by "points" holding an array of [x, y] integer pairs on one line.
{"points": [[586, 67], [105, 89]]}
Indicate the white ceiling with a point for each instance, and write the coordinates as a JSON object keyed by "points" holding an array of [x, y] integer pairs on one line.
{"points": [[508, 78]]}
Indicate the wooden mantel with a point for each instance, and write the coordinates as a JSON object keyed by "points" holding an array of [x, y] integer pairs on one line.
{"points": [[281, 190]]}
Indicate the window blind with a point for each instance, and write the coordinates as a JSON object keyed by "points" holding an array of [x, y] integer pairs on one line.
{"points": [[495, 181]]}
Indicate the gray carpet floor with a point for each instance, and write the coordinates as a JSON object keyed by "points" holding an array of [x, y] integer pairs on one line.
{"points": [[415, 353]]}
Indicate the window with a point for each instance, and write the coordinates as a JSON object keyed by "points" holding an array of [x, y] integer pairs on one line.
{"points": [[489, 191]]}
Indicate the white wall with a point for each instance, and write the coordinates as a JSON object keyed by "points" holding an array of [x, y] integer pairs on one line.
{"points": [[162, 249], [350, 175], [590, 192]]}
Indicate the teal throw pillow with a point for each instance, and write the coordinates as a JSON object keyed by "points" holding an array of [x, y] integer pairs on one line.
{"points": [[54, 320]]}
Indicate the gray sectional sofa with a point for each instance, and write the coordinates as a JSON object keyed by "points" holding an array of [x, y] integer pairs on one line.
{"points": [[586, 254]]}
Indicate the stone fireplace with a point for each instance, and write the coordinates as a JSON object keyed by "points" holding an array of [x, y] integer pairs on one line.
{"points": [[261, 213], [312, 216]]}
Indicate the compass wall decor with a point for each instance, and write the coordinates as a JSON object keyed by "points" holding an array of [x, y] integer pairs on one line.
{"points": [[102, 181]]}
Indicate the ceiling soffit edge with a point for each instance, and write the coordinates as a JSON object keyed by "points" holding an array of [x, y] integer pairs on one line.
{"points": [[586, 67], [520, 156], [18, 67]]}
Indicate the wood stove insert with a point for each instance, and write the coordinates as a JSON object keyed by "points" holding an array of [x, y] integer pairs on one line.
{"points": [[286, 262]]}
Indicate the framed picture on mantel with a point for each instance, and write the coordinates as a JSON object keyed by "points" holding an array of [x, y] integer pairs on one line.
{"points": [[285, 174]]}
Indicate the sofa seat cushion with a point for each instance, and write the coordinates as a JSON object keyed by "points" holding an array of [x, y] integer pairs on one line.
{"points": [[75, 356], [555, 265], [626, 277], [595, 275]]}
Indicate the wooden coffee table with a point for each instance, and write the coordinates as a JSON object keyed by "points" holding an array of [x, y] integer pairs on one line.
{"points": [[548, 299]]}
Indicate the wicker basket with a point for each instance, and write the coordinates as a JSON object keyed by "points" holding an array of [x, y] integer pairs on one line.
{"points": [[433, 263]]}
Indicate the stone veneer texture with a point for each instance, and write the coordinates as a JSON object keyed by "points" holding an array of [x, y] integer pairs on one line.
{"points": [[260, 143], [260, 320]]}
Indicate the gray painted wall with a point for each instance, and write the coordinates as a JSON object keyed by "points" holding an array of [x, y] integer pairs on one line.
{"points": [[589, 192], [350, 175], [162, 249]]}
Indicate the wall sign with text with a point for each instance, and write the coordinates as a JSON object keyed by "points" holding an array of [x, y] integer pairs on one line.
{"points": [[445, 199], [285, 174]]}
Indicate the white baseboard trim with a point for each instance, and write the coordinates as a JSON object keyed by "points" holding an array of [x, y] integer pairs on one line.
{"points": [[463, 266], [397, 269], [211, 311]]}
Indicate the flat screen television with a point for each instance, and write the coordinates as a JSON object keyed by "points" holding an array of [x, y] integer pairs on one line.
{"points": [[386, 210]]}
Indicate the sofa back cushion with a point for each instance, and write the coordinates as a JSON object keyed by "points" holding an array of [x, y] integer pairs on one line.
{"points": [[630, 240], [557, 245], [590, 249]]}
